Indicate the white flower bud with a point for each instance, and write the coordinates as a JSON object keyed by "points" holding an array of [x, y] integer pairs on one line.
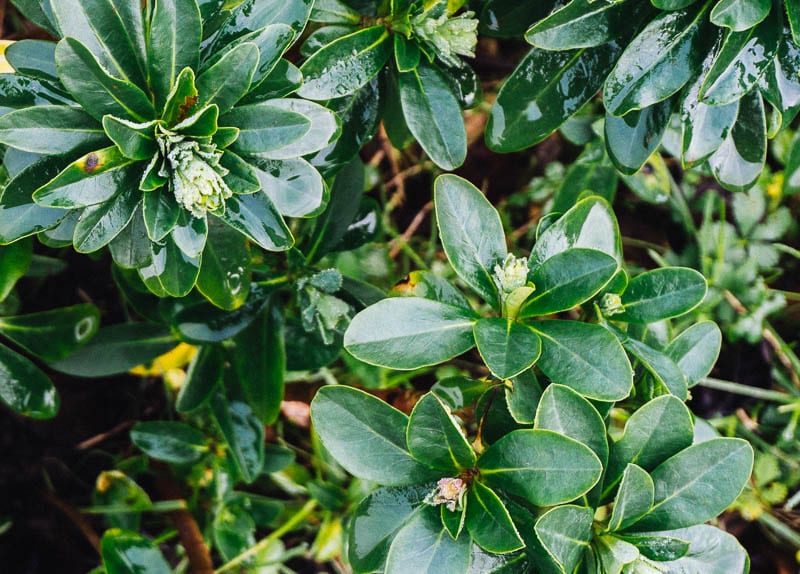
{"points": [[512, 274]]}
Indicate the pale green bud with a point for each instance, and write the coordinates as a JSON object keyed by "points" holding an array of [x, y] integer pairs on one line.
{"points": [[449, 37], [512, 274], [611, 304]]}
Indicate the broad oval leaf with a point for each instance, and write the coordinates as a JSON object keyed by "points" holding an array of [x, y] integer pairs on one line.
{"points": [[662, 294], [543, 467], [489, 522], [203, 374], [508, 348], [632, 139], [100, 224], [293, 185], [346, 64], [663, 369], [325, 127], [255, 216], [173, 43], [584, 24], [243, 432], [225, 274], [25, 388], [366, 436], [227, 81], [409, 332], [33, 58], [586, 358], [634, 498], [565, 533], [51, 130], [688, 489], [264, 128], [740, 15], [130, 553], [695, 351], [169, 441], [711, 551], [472, 233], [52, 335], [436, 439], [170, 270]]}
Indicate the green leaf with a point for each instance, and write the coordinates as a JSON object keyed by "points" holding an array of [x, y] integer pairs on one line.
{"points": [[50, 130], [523, 397], [169, 441], [243, 432], [744, 56], [740, 159], [228, 80], [118, 349], [564, 411], [375, 521], [659, 365], [688, 486], [190, 233], [293, 185], [645, 74], [173, 43], [454, 520], [33, 58], [15, 260], [94, 178], [225, 274], [695, 351], [130, 553], [543, 467], [507, 347], [265, 128], [95, 90], [406, 54], [424, 546], [25, 388], [161, 213], [740, 15], [590, 224], [100, 224], [489, 523], [254, 215], [114, 489], [408, 333], [112, 29], [657, 547], [182, 99], [655, 432], [614, 554], [662, 294], [711, 551], [510, 18], [634, 498], [18, 92], [584, 24], [135, 141], [204, 372], [436, 439], [532, 103], [346, 64], [567, 279], [586, 358], [334, 12], [241, 177], [259, 361], [433, 115], [471, 232], [793, 12], [632, 139], [170, 271], [366, 436], [52, 335], [564, 533], [272, 41], [325, 127], [40, 13], [255, 14]]}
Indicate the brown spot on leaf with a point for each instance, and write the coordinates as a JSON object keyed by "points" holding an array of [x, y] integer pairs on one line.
{"points": [[186, 106], [91, 163]]}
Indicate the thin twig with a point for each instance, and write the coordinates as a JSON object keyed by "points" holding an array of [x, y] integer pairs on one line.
{"points": [[398, 242], [76, 518], [97, 439], [399, 195]]}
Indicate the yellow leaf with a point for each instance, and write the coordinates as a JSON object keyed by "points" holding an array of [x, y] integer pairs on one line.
{"points": [[5, 67], [177, 358]]}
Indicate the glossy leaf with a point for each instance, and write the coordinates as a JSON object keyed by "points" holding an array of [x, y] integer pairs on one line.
{"points": [[25, 388], [100, 224], [489, 523], [655, 432], [253, 15], [698, 483], [582, 24], [740, 159], [695, 351], [711, 551], [662, 368], [135, 141], [510, 19], [545, 89], [471, 232], [169, 441], [52, 335], [293, 185], [225, 275], [265, 128], [243, 432], [586, 358], [634, 498], [325, 127], [130, 553], [15, 260], [255, 216], [98, 92], [632, 139], [436, 439], [408, 333], [565, 532], [33, 58], [433, 115], [366, 436], [376, 520], [568, 279], [203, 374], [523, 397], [508, 348], [190, 234], [161, 213], [779, 85], [259, 363], [740, 15], [743, 58], [543, 467], [793, 12], [50, 130], [564, 411], [645, 74], [345, 65], [170, 270], [94, 178], [118, 349], [423, 546], [173, 43], [224, 83], [662, 294]]}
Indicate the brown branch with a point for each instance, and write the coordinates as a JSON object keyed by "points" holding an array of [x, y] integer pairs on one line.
{"points": [[399, 195], [76, 518], [97, 439], [188, 530], [397, 243]]}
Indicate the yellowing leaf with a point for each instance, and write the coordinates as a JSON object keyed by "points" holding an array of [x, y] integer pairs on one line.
{"points": [[177, 358]]}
